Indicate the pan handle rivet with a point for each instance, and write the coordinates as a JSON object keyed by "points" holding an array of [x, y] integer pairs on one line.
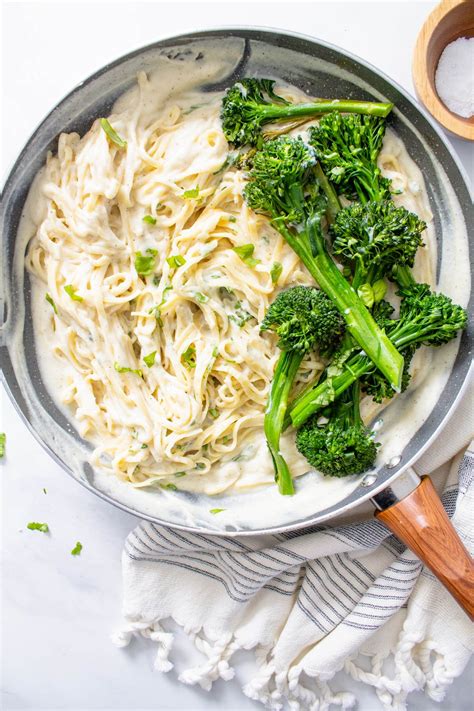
{"points": [[377, 425], [393, 462], [368, 480]]}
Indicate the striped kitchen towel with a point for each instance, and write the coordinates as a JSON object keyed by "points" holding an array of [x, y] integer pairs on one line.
{"points": [[311, 603]]}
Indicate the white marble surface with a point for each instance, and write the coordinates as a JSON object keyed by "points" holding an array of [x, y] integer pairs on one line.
{"points": [[57, 610]]}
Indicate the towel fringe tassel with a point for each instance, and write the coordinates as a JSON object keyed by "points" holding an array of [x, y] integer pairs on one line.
{"points": [[419, 665], [415, 670]]}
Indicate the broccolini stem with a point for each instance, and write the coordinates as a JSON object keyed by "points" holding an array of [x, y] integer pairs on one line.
{"points": [[403, 335], [358, 319], [333, 205], [272, 112], [357, 419], [403, 276], [329, 390], [283, 378], [359, 276]]}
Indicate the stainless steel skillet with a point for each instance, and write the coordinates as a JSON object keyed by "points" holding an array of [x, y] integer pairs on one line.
{"points": [[321, 70]]}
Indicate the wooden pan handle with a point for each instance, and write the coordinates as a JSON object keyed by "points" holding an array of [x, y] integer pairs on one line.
{"points": [[420, 521]]}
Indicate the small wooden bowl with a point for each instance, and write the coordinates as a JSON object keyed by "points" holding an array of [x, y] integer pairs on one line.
{"points": [[448, 21]]}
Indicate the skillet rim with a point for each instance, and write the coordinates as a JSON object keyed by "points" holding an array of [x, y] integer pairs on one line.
{"points": [[258, 33]]}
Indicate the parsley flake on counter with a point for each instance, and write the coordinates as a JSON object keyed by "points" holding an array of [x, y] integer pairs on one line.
{"points": [[191, 194], [149, 219], [145, 263], [126, 369], [77, 549], [149, 359], [175, 261], [112, 133], [50, 301], [44, 491], [275, 272], [71, 291], [245, 252], [215, 511], [3, 439], [43, 527]]}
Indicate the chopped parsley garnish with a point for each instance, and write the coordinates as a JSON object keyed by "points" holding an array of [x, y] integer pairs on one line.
{"points": [[232, 159], [145, 263], [172, 487], [77, 549], [245, 252], [215, 511], [215, 352], [275, 272], [125, 369], [112, 133], [200, 465], [49, 299], [188, 358], [43, 527], [3, 439], [240, 317], [232, 218], [149, 219], [156, 312], [225, 292], [191, 194], [70, 291], [149, 359], [202, 298], [180, 474], [213, 413], [175, 261], [144, 446], [156, 280]]}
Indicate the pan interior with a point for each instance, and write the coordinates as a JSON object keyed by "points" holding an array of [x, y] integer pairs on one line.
{"points": [[409, 421]]}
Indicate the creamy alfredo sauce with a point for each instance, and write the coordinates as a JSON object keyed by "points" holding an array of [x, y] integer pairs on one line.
{"points": [[175, 145]]}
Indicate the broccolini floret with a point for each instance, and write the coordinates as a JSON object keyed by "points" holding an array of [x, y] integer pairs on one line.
{"points": [[374, 237], [302, 317], [347, 147], [251, 103], [283, 185], [339, 444], [426, 318]]}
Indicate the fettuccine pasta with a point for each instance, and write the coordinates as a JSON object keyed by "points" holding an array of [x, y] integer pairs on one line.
{"points": [[157, 276]]}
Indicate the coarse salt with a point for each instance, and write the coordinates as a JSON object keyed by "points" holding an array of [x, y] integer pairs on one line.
{"points": [[455, 77]]}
